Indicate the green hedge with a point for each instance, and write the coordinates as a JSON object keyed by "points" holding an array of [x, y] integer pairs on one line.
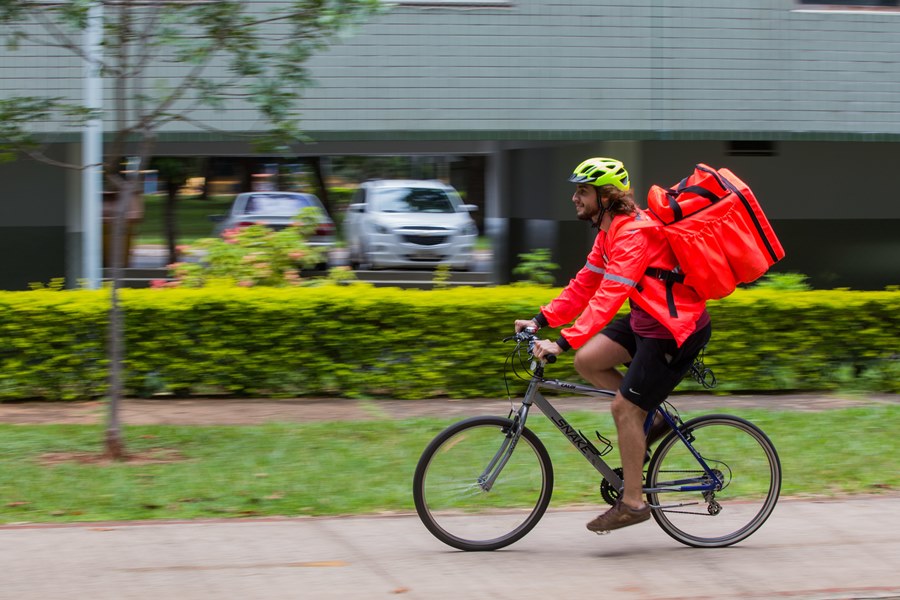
{"points": [[360, 341]]}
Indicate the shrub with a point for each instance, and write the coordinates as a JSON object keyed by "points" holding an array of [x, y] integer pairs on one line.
{"points": [[536, 267], [785, 282], [251, 256], [359, 341]]}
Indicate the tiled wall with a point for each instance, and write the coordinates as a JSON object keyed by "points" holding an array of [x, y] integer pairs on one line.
{"points": [[579, 69]]}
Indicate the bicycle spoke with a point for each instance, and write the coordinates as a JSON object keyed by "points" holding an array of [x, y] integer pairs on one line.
{"points": [[736, 494], [508, 497]]}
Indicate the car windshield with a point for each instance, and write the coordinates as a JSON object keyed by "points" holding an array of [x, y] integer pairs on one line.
{"points": [[279, 205], [413, 200]]}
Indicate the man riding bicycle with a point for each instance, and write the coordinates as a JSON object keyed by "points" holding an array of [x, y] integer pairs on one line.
{"points": [[667, 328]]}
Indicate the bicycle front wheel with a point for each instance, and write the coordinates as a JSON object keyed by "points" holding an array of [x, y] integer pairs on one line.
{"points": [[478, 487], [743, 469]]}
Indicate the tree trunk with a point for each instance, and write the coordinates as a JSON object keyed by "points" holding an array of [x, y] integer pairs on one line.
{"points": [[114, 447], [316, 164], [169, 218]]}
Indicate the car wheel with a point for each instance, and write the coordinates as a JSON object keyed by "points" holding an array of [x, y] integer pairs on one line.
{"points": [[354, 257], [362, 260]]}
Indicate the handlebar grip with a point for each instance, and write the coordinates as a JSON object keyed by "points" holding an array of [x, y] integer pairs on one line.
{"points": [[551, 358]]}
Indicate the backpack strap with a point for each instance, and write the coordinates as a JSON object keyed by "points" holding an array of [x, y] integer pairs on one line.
{"points": [[670, 278], [728, 185], [619, 226]]}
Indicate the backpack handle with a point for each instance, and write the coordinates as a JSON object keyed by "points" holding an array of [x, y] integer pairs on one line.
{"points": [[697, 190]]}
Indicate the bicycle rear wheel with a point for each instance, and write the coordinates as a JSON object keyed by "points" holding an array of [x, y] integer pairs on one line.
{"points": [[454, 494], [743, 459]]}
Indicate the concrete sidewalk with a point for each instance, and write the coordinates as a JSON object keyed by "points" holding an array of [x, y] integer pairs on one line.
{"points": [[813, 550]]}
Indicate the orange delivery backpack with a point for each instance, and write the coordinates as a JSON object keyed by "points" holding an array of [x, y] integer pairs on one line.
{"points": [[717, 230]]}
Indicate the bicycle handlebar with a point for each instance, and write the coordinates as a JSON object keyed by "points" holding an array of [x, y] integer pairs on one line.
{"points": [[529, 336]]}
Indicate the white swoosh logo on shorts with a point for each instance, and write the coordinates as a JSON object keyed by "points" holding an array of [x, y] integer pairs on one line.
{"points": [[634, 392]]}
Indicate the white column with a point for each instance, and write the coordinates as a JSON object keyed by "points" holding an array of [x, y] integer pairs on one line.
{"points": [[92, 142]]}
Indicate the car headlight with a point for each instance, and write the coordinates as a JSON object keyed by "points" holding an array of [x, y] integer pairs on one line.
{"points": [[380, 228], [470, 229]]}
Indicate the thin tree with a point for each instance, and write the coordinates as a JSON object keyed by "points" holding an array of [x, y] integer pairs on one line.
{"points": [[174, 173], [168, 62]]}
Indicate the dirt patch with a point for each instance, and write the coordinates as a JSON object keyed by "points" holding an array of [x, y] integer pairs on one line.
{"points": [[254, 411], [153, 456]]}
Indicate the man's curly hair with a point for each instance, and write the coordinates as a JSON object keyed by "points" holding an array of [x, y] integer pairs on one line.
{"points": [[620, 203]]}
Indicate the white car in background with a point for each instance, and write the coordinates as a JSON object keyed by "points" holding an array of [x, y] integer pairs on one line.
{"points": [[408, 223]]}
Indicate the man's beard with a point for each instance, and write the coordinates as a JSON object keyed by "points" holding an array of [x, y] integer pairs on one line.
{"points": [[588, 215], [591, 216]]}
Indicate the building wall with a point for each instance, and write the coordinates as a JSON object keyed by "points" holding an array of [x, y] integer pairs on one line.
{"points": [[537, 85], [582, 69], [832, 204], [569, 69], [33, 232]]}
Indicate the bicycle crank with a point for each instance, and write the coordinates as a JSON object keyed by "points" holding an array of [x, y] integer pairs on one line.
{"points": [[608, 492]]}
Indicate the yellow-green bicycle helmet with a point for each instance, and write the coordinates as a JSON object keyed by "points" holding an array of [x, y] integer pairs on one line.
{"points": [[602, 171]]}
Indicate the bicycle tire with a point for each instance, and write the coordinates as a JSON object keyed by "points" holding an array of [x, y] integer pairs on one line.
{"points": [[456, 508], [751, 475]]}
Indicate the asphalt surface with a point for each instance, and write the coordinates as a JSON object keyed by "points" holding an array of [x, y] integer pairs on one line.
{"points": [[809, 549], [155, 256]]}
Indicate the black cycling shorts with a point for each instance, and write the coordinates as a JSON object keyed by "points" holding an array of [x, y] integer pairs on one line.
{"points": [[657, 365]]}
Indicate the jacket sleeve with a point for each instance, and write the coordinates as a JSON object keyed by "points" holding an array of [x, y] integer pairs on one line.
{"points": [[628, 259], [575, 297]]}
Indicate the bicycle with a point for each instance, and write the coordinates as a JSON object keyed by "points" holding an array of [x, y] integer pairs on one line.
{"points": [[711, 482]]}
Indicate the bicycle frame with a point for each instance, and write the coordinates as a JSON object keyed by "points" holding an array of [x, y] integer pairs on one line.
{"points": [[587, 449], [475, 466]]}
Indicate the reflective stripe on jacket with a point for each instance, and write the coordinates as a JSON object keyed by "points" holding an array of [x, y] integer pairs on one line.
{"points": [[616, 270]]}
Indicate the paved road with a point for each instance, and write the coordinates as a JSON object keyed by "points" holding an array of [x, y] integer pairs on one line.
{"points": [[834, 549], [154, 256]]}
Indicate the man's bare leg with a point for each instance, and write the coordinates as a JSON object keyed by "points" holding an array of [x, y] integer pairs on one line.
{"points": [[630, 509], [632, 447], [597, 360]]}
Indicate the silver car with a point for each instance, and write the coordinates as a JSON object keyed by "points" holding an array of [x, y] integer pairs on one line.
{"points": [[406, 223], [277, 210]]}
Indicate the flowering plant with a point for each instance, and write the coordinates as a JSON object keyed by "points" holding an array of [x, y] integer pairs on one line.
{"points": [[250, 256]]}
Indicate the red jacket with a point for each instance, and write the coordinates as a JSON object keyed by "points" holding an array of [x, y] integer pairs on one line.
{"points": [[616, 270]]}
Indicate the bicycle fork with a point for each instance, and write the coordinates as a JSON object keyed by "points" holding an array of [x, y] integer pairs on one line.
{"points": [[489, 476]]}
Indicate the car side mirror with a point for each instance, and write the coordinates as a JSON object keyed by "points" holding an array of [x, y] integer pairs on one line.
{"points": [[469, 207], [357, 208]]}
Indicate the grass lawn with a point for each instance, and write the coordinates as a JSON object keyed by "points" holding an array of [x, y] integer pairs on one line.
{"points": [[363, 467], [192, 218]]}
